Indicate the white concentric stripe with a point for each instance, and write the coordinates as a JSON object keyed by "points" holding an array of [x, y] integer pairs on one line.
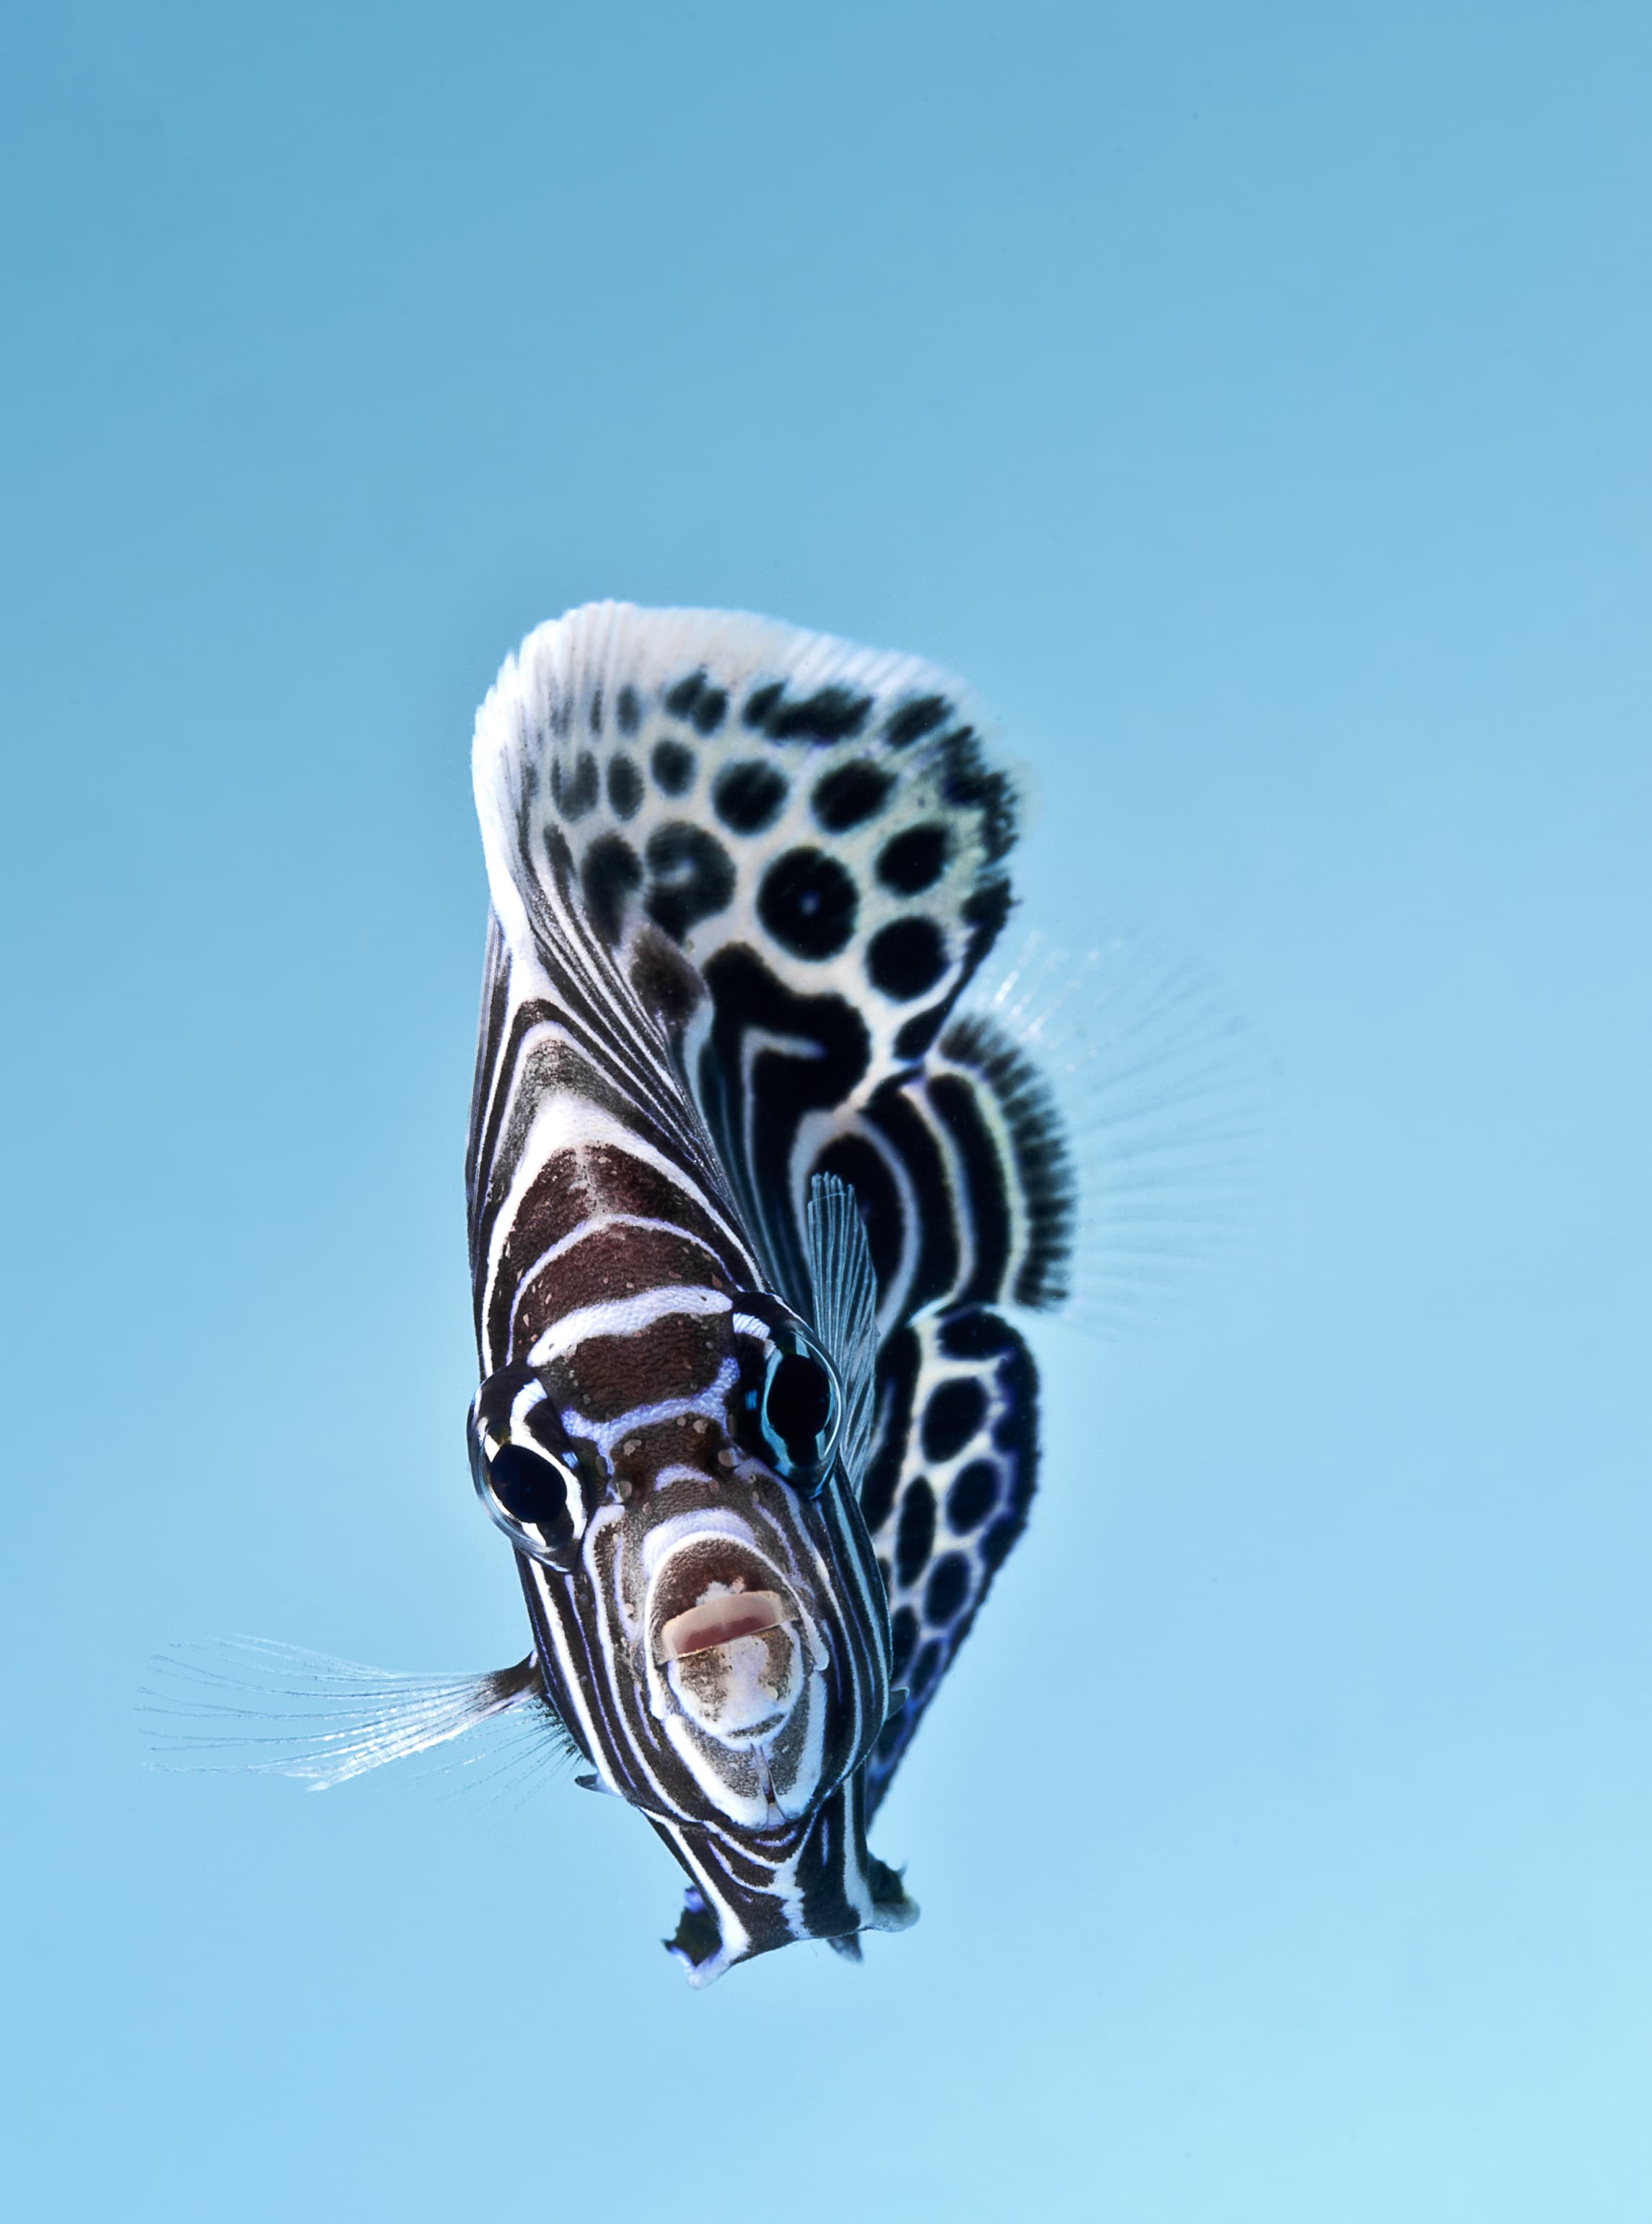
{"points": [[1011, 1189], [603, 1732], [591, 1126], [735, 1937], [631, 1044], [619, 1684], [637, 1069], [572, 1695], [753, 1042], [851, 1577], [599, 1224], [594, 1129], [625, 1316], [814, 1134], [487, 1081], [710, 1405], [558, 1030]]}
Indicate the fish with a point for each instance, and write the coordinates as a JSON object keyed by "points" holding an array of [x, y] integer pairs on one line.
{"points": [[760, 1191], [743, 1216]]}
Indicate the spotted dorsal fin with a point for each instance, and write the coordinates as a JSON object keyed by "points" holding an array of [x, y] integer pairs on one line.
{"points": [[812, 827]]}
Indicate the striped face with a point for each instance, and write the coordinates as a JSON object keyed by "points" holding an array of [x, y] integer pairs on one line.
{"points": [[666, 1462]]}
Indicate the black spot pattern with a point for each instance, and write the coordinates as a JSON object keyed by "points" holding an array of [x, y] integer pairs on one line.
{"points": [[946, 1589], [749, 795], [915, 718], [921, 1674], [696, 699], [973, 1494], [969, 783], [954, 1413], [994, 1546], [917, 1033], [611, 874], [851, 794], [907, 958], [624, 786], [574, 787], [915, 861], [984, 912], [971, 1375], [976, 1334], [914, 1535], [760, 702], [808, 903], [628, 710], [831, 714], [691, 877], [673, 766]]}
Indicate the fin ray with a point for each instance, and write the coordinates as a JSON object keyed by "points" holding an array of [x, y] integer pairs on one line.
{"points": [[1160, 1101], [261, 1707], [846, 1310]]}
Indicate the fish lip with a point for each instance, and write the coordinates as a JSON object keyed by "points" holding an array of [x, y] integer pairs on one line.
{"points": [[720, 1620], [680, 1618]]}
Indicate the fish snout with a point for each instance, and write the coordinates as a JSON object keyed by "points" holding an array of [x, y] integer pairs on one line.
{"points": [[726, 1636]]}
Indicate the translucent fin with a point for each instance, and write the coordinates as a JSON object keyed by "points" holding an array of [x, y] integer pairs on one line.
{"points": [[1132, 1088], [845, 1309], [248, 1704]]}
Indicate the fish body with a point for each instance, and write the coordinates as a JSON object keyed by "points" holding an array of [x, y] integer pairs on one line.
{"points": [[757, 1175], [747, 1201]]}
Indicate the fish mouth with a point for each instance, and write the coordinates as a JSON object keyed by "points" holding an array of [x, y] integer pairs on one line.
{"points": [[734, 1671], [713, 1590], [720, 1620]]}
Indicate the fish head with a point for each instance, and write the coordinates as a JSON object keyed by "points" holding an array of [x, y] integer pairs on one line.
{"points": [[711, 1617]]}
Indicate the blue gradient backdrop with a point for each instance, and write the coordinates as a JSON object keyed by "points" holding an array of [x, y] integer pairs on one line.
{"points": [[1253, 401]]}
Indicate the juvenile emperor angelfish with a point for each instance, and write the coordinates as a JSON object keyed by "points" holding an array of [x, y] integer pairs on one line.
{"points": [[750, 1190], [758, 1466]]}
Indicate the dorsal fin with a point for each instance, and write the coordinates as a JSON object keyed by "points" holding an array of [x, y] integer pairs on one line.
{"points": [[812, 825]]}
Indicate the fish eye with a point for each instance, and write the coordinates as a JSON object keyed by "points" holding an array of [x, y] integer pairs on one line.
{"points": [[536, 1498], [797, 1406]]}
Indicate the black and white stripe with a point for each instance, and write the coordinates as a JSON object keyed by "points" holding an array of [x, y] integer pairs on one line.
{"points": [[741, 877]]}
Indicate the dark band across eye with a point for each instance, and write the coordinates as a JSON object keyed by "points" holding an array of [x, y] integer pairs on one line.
{"points": [[535, 1500], [796, 1403], [528, 1486]]}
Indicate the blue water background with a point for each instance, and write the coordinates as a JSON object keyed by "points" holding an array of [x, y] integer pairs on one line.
{"points": [[1253, 402]]}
